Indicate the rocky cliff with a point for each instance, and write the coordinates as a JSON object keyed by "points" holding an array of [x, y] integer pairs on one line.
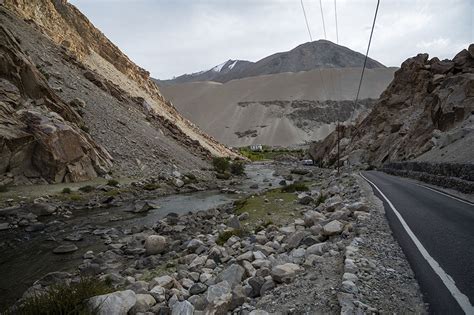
{"points": [[428, 107], [72, 103]]}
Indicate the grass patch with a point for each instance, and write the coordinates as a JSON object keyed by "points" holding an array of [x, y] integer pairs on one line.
{"points": [[113, 183], [159, 271], [272, 207], [151, 186], [112, 193], [225, 235], [66, 190], [321, 199], [295, 187], [3, 188], [75, 197], [87, 188], [65, 299], [268, 153]]}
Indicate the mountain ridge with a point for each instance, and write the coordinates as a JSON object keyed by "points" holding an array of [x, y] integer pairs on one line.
{"points": [[304, 57]]}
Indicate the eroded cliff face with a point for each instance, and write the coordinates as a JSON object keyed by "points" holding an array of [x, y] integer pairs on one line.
{"points": [[427, 100], [68, 27], [73, 107], [40, 135]]}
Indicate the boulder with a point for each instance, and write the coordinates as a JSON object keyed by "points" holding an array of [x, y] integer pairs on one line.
{"points": [[333, 228], [232, 275], [118, 303], [143, 304], [219, 298], [285, 273], [316, 249], [197, 288], [166, 282], [155, 244], [295, 239], [312, 217], [182, 308]]}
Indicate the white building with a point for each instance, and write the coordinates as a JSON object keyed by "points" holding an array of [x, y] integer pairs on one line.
{"points": [[256, 147]]}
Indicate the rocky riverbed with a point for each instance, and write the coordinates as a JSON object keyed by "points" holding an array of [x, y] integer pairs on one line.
{"points": [[256, 245]]}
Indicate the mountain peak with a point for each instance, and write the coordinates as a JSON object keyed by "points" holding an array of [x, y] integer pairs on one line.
{"points": [[305, 57]]}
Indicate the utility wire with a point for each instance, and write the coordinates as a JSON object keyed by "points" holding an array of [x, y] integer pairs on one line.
{"points": [[306, 19], [311, 38], [367, 53], [322, 17], [335, 15]]}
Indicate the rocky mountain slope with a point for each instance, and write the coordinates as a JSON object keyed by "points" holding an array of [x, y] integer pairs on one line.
{"points": [[278, 109], [73, 106], [427, 113], [305, 57]]}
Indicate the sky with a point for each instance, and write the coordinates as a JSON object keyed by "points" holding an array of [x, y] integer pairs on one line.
{"points": [[173, 37]]}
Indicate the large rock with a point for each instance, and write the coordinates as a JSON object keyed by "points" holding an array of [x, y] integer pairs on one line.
{"points": [[333, 228], [232, 275], [182, 308], [155, 244], [219, 298], [285, 273], [118, 303], [65, 249]]}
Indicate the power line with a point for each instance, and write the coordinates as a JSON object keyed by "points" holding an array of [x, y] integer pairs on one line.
{"points": [[367, 53], [337, 30], [322, 17], [306, 19]]}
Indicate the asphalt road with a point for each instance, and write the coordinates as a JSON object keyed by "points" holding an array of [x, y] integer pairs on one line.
{"points": [[436, 233]]}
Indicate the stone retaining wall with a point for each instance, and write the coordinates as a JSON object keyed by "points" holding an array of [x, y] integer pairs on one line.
{"points": [[457, 176]]}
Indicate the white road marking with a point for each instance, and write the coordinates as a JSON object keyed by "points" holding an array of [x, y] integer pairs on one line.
{"points": [[448, 281], [447, 195]]}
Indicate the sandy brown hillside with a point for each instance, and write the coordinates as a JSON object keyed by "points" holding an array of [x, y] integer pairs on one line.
{"points": [[425, 113], [87, 109], [278, 109]]}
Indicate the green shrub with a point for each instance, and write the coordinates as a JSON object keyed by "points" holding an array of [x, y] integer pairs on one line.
{"points": [[220, 164], [3, 188], [66, 190], [151, 186], [321, 199], [75, 197], [225, 235], [295, 187], [237, 168], [87, 188], [113, 183], [65, 299]]}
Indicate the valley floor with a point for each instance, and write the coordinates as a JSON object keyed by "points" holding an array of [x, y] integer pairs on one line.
{"points": [[284, 239]]}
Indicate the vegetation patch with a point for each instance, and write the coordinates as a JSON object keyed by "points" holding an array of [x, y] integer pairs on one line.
{"points": [[295, 187], [66, 190], [3, 188], [151, 186], [221, 164], [237, 168], [272, 207], [113, 183], [112, 193], [64, 298], [269, 153], [159, 271], [321, 199], [87, 188]]}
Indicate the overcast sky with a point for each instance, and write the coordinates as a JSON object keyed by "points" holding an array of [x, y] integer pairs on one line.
{"points": [[172, 37]]}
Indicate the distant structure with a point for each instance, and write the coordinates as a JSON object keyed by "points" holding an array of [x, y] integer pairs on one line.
{"points": [[256, 147]]}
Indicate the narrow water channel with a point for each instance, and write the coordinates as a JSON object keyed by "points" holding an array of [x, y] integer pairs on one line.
{"points": [[26, 257]]}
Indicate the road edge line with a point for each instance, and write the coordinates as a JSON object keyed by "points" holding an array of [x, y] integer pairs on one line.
{"points": [[447, 280], [446, 194]]}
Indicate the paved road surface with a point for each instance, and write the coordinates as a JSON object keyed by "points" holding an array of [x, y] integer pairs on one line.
{"points": [[436, 232]]}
